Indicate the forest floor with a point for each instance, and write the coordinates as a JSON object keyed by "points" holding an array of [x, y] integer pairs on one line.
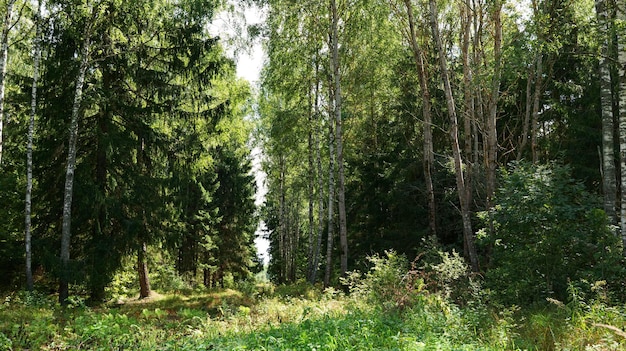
{"points": [[300, 318]]}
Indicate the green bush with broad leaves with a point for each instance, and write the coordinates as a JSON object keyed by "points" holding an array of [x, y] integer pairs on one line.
{"points": [[547, 233]]}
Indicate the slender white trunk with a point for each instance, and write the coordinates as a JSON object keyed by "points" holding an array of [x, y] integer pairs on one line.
{"points": [[331, 199], [606, 102], [492, 133], [468, 234], [311, 189], [320, 179], [341, 188], [69, 174], [418, 57], [621, 47], [4, 56], [29, 149]]}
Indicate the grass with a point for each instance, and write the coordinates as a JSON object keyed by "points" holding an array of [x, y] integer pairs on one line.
{"points": [[302, 318]]}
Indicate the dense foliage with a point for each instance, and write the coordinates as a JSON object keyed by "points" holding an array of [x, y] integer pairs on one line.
{"points": [[162, 162], [300, 317], [456, 116]]}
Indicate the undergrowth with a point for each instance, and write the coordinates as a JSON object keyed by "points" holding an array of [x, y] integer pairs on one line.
{"points": [[394, 306]]}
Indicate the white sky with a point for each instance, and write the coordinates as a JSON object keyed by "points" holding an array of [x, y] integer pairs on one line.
{"points": [[249, 61]]}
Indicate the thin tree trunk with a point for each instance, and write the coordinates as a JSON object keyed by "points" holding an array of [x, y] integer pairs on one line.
{"points": [[4, 56], [142, 269], [331, 200], [320, 179], [621, 47], [454, 135], [282, 225], [142, 263], [492, 133], [526, 124], [418, 57], [538, 89], [69, 174], [341, 190], [29, 149], [536, 102], [609, 186], [311, 191], [469, 101]]}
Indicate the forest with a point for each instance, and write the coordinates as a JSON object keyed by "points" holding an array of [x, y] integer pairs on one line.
{"points": [[439, 175]]}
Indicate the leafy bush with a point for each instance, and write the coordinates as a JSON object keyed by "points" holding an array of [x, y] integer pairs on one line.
{"points": [[548, 231], [388, 283]]}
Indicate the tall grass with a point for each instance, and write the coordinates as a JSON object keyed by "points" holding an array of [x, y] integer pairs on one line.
{"points": [[385, 311]]}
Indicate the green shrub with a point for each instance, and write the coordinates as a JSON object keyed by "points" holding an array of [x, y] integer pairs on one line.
{"points": [[548, 231], [388, 283]]}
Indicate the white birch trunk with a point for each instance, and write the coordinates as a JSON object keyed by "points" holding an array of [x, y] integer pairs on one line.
{"points": [[621, 46], [492, 132], [341, 191], [29, 149], [418, 57], [331, 198], [69, 174], [606, 102], [454, 136], [4, 56]]}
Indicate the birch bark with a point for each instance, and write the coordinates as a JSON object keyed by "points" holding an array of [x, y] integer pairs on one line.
{"points": [[29, 149], [468, 234], [70, 168]]}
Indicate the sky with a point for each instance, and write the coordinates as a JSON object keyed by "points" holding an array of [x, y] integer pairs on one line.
{"points": [[249, 59]]}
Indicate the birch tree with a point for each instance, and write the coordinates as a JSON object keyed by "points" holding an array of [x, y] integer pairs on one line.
{"points": [[606, 105], [621, 46], [71, 166], [4, 56], [468, 234], [29, 147], [337, 105]]}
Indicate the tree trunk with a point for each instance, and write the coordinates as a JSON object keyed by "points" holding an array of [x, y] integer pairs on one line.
{"points": [[418, 57], [331, 200], [538, 91], [454, 136], [311, 190], [621, 47], [492, 133], [609, 186], [282, 247], [29, 149], [142, 269], [4, 55], [320, 179], [526, 124], [341, 190], [69, 174], [469, 101]]}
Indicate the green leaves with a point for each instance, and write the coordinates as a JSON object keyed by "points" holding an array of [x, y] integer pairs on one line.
{"points": [[548, 230]]}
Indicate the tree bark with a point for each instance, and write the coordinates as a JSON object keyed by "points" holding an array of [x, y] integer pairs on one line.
{"points": [[428, 161], [142, 269], [331, 199], [454, 136], [492, 132], [320, 180], [341, 190], [609, 186], [29, 149], [621, 47], [4, 56], [70, 167], [311, 189], [469, 100], [538, 91], [282, 247]]}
